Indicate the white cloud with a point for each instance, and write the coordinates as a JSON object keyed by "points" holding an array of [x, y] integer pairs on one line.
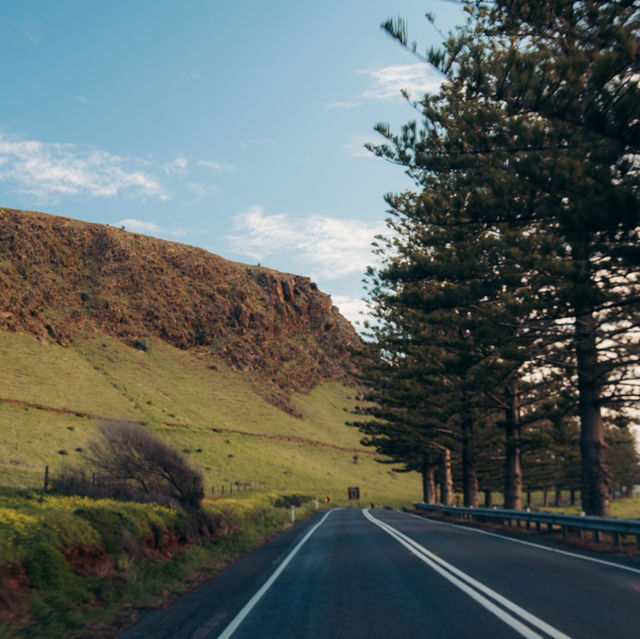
{"points": [[343, 105], [48, 171], [388, 82], [217, 167], [354, 309], [32, 33], [149, 228], [259, 141], [201, 190], [139, 226], [357, 149], [331, 247], [177, 166]]}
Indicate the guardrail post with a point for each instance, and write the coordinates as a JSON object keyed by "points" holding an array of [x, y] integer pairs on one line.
{"points": [[596, 536], [616, 539]]}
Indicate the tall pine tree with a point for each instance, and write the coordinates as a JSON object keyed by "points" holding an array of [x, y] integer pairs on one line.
{"points": [[537, 128]]}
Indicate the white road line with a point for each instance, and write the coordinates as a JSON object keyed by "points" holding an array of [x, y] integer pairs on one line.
{"points": [[567, 553], [239, 618], [481, 592]]}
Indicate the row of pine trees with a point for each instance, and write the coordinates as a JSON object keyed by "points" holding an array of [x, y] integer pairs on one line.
{"points": [[506, 300]]}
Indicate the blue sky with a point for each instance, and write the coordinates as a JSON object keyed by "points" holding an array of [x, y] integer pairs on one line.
{"points": [[233, 125]]}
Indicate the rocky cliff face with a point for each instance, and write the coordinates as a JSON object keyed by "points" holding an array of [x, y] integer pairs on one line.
{"points": [[60, 278]]}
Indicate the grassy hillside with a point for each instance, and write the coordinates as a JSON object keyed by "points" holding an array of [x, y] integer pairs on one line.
{"points": [[52, 397], [62, 278]]}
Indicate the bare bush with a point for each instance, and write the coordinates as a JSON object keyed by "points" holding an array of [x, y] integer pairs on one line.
{"points": [[128, 455], [71, 480]]}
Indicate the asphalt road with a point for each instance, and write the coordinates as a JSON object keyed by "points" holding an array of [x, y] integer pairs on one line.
{"points": [[383, 574]]}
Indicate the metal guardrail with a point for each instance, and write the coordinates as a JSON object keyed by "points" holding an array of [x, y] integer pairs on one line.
{"points": [[616, 527]]}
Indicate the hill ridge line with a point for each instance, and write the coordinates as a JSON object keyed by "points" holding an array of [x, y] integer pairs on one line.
{"points": [[230, 431]]}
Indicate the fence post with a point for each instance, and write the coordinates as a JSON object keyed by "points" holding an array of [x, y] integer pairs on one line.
{"points": [[46, 477]]}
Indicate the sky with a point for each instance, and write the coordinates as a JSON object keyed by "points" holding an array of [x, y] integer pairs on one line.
{"points": [[234, 125]]}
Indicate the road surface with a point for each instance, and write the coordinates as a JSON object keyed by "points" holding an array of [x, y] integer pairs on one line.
{"points": [[383, 574]]}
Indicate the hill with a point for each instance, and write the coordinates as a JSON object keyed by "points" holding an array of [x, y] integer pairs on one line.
{"points": [[240, 368], [61, 278]]}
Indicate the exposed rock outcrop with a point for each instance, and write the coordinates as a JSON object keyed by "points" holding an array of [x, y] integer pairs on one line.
{"points": [[60, 278]]}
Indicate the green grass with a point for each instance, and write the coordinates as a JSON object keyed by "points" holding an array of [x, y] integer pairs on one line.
{"points": [[624, 508], [56, 377], [34, 526], [165, 385]]}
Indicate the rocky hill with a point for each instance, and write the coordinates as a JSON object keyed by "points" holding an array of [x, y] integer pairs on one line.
{"points": [[60, 278]]}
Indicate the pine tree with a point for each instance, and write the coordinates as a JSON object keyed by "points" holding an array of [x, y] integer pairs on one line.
{"points": [[537, 130]]}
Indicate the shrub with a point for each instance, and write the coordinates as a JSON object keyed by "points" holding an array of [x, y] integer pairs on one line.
{"points": [[130, 457]]}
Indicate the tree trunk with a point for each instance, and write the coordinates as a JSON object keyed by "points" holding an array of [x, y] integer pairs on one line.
{"points": [[513, 471], [596, 478], [558, 497], [528, 499], [572, 497], [469, 474], [446, 478], [428, 482], [545, 497], [488, 501]]}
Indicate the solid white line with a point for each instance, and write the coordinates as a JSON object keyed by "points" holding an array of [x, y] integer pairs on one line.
{"points": [[239, 618], [457, 577], [567, 553]]}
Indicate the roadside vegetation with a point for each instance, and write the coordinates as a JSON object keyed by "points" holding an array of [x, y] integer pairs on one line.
{"points": [[70, 564], [53, 398], [73, 564]]}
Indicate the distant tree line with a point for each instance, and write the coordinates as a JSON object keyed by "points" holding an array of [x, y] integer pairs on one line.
{"points": [[506, 307]]}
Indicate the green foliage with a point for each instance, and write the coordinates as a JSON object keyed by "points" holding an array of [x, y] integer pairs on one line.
{"points": [[49, 571], [204, 402], [32, 517], [517, 254], [59, 596]]}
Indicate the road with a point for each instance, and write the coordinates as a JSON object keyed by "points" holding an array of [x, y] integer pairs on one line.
{"points": [[383, 574]]}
